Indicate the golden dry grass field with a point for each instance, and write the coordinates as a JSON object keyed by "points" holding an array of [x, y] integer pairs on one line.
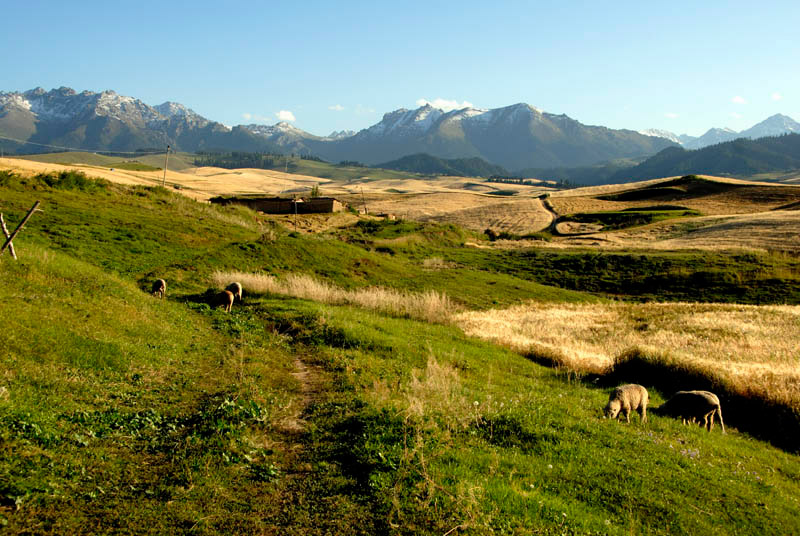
{"points": [[752, 349], [736, 214]]}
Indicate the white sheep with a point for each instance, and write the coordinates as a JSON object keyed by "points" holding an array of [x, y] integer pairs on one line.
{"points": [[224, 298], [627, 398], [159, 288], [694, 406], [236, 289]]}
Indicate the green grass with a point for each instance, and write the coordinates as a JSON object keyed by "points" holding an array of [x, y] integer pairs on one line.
{"points": [[133, 166], [177, 161], [121, 412], [443, 431], [694, 276], [624, 219]]}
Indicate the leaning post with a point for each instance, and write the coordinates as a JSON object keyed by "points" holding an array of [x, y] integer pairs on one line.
{"points": [[7, 234], [19, 227]]}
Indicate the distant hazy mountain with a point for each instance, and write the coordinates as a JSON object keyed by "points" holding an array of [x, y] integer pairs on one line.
{"points": [[772, 126], [515, 137], [739, 157], [666, 134], [111, 122], [431, 165]]}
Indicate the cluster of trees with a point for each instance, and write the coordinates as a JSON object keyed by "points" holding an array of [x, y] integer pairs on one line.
{"points": [[741, 157], [511, 180], [240, 159]]}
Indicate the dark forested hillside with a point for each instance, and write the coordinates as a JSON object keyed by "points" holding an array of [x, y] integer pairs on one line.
{"points": [[741, 157], [431, 165]]}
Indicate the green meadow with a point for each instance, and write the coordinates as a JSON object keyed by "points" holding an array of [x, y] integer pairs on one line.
{"points": [[124, 413]]}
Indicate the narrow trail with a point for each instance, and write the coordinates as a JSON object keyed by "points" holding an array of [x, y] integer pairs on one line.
{"points": [[310, 387], [552, 213]]}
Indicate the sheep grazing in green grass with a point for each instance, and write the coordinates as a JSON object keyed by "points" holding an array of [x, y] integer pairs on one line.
{"points": [[159, 288], [236, 289], [225, 299], [693, 406], [627, 398]]}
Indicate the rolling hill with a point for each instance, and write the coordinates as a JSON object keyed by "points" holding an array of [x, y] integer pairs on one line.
{"points": [[305, 411], [431, 165], [737, 158]]}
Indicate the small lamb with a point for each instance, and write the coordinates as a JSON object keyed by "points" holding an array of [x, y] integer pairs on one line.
{"points": [[236, 289], [627, 398], [693, 406], [159, 288], [224, 298]]}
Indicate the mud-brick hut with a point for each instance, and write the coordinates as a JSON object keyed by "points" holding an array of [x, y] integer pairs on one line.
{"points": [[319, 205], [282, 205]]}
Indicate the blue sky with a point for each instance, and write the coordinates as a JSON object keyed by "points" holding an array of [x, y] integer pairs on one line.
{"points": [[680, 66]]}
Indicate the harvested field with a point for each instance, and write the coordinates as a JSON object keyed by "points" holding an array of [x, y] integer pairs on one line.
{"points": [[722, 196], [766, 231], [752, 349], [476, 212]]}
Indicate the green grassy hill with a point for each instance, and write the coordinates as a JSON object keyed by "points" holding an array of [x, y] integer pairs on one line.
{"points": [[177, 161], [120, 412]]}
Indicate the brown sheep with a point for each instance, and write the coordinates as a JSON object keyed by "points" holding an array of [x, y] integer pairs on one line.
{"points": [[627, 398], [224, 298], [236, 289], [159, 288], [694, 406]]}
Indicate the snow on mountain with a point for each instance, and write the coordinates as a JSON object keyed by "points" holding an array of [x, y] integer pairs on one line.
{"points": [[712, 137], [772, 126], [659, 133], [340, 134]]}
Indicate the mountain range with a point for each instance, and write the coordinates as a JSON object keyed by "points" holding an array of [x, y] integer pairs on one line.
{"points": [[772, 126], [514, 137]]}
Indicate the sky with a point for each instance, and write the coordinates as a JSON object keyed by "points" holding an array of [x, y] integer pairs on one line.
{"points": [[683, 66]]}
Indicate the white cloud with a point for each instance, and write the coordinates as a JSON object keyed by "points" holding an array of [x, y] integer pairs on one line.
{"points": [[256, 118], [336, 107], [364, 110], [671, 115], [738, 100], [444, 104], [776, 96], [736, 115], [285, 115]]}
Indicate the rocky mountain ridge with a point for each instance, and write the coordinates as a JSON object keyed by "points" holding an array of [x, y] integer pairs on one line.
{"points": [[516, 137]]}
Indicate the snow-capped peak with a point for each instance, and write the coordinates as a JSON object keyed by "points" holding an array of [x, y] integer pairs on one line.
{"points": [[660, 133]]}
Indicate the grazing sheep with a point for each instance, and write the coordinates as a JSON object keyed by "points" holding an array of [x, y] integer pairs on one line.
{"points": [[236, 288], [159, 288], [627, 398], [694, 406], [224, 298]]}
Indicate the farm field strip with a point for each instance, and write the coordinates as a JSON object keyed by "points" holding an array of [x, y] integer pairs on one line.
{"points": [[753, 348]]}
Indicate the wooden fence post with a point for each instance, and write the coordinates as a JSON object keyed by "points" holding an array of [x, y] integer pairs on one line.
{"points": [[5, 232], [19, 227]]}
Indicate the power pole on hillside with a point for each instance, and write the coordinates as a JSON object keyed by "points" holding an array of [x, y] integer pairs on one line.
{"points": [[166, 159], [363, 200]]}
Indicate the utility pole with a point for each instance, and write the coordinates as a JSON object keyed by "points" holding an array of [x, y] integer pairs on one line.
{"points": [[363, 200], [294, 199], [166, 159]]}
